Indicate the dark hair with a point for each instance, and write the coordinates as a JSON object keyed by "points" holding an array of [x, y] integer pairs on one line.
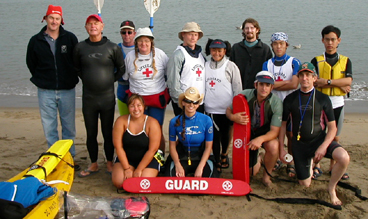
{"points": [[182, 115], [330, 28], [228, 47], [255, 24], [134, 97]]}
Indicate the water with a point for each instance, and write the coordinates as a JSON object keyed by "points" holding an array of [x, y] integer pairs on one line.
{"points": [[301, 20]]}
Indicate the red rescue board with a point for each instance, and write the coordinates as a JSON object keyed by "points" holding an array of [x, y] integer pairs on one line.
{"points": [[187, 185], [241, 138]]}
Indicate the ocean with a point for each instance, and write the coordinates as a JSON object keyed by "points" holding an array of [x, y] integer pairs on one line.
{"points": [[301, 20]]}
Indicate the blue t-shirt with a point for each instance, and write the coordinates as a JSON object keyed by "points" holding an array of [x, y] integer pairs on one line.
{"points": [[198, 128]]}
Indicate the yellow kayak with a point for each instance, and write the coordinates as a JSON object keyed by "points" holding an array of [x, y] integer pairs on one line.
{"points": [[55, 169]]}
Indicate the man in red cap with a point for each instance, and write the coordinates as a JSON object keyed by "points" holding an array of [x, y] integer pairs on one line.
{"points": [[50, 61], [99, 63]]}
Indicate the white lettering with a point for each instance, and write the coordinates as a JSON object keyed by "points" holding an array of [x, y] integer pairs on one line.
{"points": [[186, 185]]}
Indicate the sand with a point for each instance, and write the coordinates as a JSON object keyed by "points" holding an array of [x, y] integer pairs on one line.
{"points": [[22, 141]]}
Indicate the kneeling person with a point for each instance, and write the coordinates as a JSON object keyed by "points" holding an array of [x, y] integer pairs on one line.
{"points": [[136, 139], [312, 113], [265, 111], [194, 132]]}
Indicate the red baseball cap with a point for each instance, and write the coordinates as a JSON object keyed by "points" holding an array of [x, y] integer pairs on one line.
{"points": [[94, 16], [54, 9]]}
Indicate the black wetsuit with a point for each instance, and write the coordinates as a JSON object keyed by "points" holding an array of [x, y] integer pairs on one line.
{"points": [[317, 110], [99, 65]]}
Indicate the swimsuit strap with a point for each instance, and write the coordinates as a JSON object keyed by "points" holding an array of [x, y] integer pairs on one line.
{"points": [[144, 126]]}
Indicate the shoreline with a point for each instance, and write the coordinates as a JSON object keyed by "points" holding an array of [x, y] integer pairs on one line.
{"points": [[17, 101]]}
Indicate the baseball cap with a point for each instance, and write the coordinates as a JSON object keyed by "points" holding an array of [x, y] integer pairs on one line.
{"points": [[127, 24], [94, 16], [54, 9], [265, 77], [307, 66], [279, 36], [217, 44]]}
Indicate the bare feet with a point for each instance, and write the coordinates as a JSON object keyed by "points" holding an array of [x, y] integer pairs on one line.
{"points": [[109, 166], [267, 182], [334, 199]]}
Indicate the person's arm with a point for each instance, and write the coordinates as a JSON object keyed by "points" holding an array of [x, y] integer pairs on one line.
{"points": [[331, 129], [31, 59], [256, 143], [287, 84], [172, 149], [119, 63], [282, 151], [76, 61], [174, 68], [205, 156], [343, 83], [117, 136], [154, 135], [239, 117], [233, 75], [322, 149]]}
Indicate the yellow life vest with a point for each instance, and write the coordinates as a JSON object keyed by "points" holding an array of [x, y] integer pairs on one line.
{"points": [[335, 72]]}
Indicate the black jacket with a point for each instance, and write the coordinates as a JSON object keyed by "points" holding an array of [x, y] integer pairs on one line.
{"points": [[45, 72], [250, 60]]}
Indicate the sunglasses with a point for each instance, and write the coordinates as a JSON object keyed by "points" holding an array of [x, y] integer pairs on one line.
{"points": [[190, 101], [125, 32]]}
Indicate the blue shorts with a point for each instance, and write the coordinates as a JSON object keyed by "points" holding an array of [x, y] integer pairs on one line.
{"points": [[157, 113]]}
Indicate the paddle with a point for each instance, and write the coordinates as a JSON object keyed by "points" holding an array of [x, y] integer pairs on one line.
{"points": [[151, 7], [99, 4]]}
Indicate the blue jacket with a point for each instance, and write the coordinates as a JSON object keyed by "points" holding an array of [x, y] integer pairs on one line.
{"points": [[49, 72]]}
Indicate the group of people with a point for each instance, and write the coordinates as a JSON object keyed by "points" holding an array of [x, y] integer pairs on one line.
{"points": [[200, 92]]}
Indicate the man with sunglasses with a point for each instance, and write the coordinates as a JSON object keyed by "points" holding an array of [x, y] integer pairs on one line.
{"points": [[127, 33], [50, 61], [265, 116]]}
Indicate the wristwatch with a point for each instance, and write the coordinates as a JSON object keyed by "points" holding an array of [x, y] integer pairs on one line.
{"points": [[329, 82]]}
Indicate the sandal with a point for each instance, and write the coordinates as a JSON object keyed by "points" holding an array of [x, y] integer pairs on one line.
{"points": [[290, 169], [278, 165], [317, 172], [224, 161]]}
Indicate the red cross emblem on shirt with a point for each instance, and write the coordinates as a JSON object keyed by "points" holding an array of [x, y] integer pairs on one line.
{"points": [[279, 79], [212, 83], [147, 72], [198, 72]]}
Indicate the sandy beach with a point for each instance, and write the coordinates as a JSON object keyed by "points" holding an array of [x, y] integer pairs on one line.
{"points": [[22, 141]]}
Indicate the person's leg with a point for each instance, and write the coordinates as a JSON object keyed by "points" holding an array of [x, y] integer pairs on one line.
{"points": [[224, 135], [118, 175], [67, 115], [107, 122], [303, 154], [176, 108], [48, 111], [270, 158], [90, 115], [123, 108], [159, 115], [216, 147], [342, 158], [152, 169], [339, 113]]}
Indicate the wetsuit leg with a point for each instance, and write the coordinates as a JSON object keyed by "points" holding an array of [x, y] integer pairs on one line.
{"points": [[107, 121], [176, 108], [90, 115], [216, 147]]}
